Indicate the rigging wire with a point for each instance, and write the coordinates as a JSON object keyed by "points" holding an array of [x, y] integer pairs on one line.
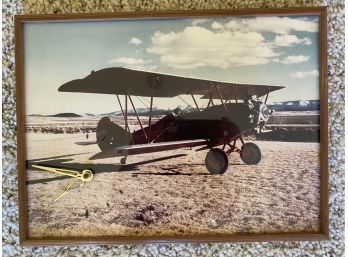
{"points": [[184, 101], [147, 100], [142, 102]]}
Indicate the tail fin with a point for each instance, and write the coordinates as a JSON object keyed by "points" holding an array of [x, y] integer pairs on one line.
{"points": [[111, 135]]}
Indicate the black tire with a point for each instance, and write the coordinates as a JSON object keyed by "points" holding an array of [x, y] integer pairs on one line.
{"points": [[216, 161], [250, 154]]}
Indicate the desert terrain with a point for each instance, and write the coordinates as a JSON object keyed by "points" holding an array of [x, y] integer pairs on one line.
{"points": [[171, 192]]}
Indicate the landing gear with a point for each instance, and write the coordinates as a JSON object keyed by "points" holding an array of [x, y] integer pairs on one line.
{"points": [[216, 161], [250, 154]]}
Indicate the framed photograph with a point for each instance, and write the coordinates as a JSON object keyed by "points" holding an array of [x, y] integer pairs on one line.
{"points": [[181, 126]]}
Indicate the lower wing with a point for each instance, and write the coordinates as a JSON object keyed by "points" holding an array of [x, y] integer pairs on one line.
{"points": [[292, 125], [148, 148]]}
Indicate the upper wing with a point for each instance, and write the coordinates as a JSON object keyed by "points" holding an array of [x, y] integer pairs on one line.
{"points": [[124, 81], [148, 148], [240, 91]]}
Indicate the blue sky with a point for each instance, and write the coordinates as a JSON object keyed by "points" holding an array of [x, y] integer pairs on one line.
{"points": [[261, 50]]}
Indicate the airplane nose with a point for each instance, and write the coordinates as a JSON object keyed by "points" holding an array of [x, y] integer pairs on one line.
{"points": [[264, 112]]}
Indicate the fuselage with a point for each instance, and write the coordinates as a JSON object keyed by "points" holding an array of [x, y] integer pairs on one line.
{"points": [[216, 124]]}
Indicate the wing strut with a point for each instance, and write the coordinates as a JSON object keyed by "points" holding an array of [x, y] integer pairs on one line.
{"points": [[119, 102], [126, 114], [222, 101], [136, 113], [235, 93], [195, 101], [211, 93], [151, 103], [229, 95], [267, 96]]}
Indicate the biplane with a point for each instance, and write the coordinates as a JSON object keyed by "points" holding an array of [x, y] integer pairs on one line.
{"points": [[231, 111]]}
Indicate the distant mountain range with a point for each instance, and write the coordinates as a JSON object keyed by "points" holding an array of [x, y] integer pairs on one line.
{"points": [[64, 114], [140, 111]]}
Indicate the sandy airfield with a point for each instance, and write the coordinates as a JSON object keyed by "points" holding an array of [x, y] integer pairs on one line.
{"points": [[172, 193]]}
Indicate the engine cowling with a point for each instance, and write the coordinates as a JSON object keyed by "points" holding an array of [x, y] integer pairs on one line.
{"points": [[259, 112], [264, 113]]}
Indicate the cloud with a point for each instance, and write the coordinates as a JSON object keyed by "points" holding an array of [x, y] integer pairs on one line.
{"points": [[196, 22], [278, 25], [217, 25], [198, 47], [304, 74], [238, 42], [295, 59], [290, 40], [135, 41], [135, 63], [128, 61]]}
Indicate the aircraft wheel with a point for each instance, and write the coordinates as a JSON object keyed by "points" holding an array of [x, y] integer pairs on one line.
{"points": [[250, 154], [216, 161], [123, 160]]}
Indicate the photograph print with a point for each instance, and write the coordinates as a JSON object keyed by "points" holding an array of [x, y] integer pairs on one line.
{"points": [[172, 126]]}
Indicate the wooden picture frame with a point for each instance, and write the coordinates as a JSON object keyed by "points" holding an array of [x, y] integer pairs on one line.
{"points": [[24, 236]]}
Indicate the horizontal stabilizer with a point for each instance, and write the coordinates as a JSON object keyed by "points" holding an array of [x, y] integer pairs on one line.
{"points": [[148, 148], [86, 143]]}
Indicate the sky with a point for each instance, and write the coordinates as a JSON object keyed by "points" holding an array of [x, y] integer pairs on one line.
{"points": [[274, 50]]}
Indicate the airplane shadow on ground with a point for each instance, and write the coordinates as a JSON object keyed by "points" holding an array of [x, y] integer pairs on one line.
{"points": [[173, 171], [60, 162]]}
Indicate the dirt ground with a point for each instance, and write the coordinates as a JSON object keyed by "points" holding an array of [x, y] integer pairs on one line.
{"points": [[172, 193]]}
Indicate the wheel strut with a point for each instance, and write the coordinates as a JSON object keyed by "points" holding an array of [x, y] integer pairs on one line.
{"points": [[233, 147], [249, 152]]}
